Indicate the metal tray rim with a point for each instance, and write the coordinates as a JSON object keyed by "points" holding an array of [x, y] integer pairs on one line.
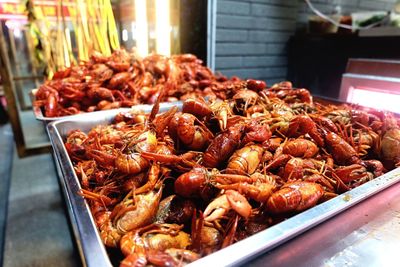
{"points": [[37, 111], [78, 208], [270, 238], [243, 250]]}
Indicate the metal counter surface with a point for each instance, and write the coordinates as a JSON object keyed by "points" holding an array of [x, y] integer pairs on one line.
{"points": [[367, 234]]}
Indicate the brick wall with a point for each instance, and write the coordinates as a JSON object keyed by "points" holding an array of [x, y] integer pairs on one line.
{"points": [[252, 35]]}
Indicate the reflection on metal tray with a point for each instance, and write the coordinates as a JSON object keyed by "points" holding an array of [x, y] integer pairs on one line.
{"points": [[40, 116], [93, 251]]}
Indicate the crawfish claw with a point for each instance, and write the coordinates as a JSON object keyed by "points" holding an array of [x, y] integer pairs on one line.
{"points": [[239, 203], [221, 205], [216, 209]]}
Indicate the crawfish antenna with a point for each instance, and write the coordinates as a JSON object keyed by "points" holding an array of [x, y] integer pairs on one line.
{"points": [[197, 226], [156, 106]]}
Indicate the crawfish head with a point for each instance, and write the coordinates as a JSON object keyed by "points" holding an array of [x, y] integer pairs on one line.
{"points": [[326, 123], [223, 146], [374, 166], [119, 78], [256, 85], [135, 213], [161, 121], [210, 238], [130, 164], [256, 132], [246, 95], [162, 241], [390, 147], [246, 159], [343, 153], [75, 150], [351, 173], [300, 148], [151, 241], [195, 137], [100, 93], [175, 209], [294, 169], [197, 107], [301, 125], [192, 183]]}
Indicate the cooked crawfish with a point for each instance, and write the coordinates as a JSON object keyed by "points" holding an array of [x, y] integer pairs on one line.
{"points": [[284, 91], [246, 159], [256, 85], [301, 125], [220, 170], [131, 80], [258, 187], [295, 196], [300, 148], [197, 107], [100, 93], [193, 183], [222, 147], [343, 153], [295, 167], [136, 210], [195, 137], [351, 173], [175, 209], [120, 78], [390, 147], [151, 243], [256, 132], [130, 163]]}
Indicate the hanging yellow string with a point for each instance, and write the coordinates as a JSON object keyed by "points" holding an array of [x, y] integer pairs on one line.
{"points": [[59, 51], [79, 42], [42, 26], [92, 25], [112, 28], [83, 11], [68, 46], [103, 26], [69, 56], [72, 10], [97, 28], [83, 31]]}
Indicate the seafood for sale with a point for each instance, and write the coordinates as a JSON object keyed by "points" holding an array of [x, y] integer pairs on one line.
{"points": [[124, 79], [166, 189]]}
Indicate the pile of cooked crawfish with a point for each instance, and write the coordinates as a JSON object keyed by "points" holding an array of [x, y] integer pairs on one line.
{"points": [[124, 80], [166, 189]]}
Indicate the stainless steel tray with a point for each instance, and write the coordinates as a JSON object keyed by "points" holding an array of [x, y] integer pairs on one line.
{"points": [[37, 111], [93, 251]]}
